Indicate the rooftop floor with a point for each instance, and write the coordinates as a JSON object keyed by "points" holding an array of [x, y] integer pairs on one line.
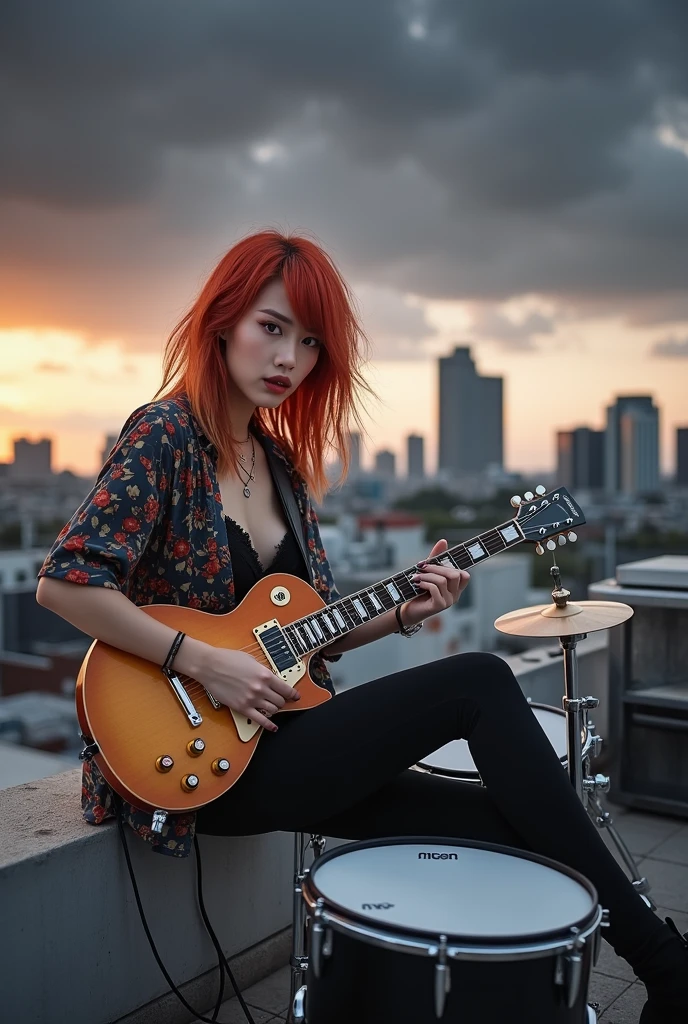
{"points": [[661, 847]]}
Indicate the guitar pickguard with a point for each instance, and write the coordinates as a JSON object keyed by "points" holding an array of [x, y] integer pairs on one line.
{"points": [[248, 729]]}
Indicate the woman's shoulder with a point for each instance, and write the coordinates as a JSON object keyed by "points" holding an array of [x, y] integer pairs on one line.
{"points": [[169, 417]]}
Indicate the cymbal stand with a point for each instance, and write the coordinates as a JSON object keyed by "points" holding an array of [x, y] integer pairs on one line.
{"points": [[579, 723]]}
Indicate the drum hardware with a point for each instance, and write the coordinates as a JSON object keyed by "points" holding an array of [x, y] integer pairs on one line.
{"points": [[299, 957], [571, 622]]}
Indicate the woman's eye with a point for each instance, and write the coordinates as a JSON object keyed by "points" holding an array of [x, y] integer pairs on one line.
{"points": [[315, 341], [270, 325]]}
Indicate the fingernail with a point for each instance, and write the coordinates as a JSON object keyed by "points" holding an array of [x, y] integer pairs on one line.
{"points": [[414, 579]]}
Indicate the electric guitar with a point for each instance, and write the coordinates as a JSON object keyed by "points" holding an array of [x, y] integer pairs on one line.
{"points": [[165, 744]]}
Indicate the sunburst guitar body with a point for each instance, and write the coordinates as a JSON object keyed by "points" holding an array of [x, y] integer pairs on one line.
{"points": [[147, 736]]}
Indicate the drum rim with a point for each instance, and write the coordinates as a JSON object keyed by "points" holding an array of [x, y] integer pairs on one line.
{"points": [[468, 776], [542, 941]]}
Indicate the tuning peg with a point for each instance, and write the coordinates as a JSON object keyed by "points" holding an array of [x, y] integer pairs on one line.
{"points": [[529, 495], [573, 537], [562, 540], [551, 545], [540, 490], [516, 501], [539, 550]]}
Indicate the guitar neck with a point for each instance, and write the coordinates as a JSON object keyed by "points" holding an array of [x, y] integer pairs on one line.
{"points": [[339, 618]]}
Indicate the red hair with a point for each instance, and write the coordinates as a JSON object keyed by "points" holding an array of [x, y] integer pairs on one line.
{"points": [[314, 420]]}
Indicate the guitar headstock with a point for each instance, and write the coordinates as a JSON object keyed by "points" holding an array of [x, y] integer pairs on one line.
{"points": [[545, 516]]}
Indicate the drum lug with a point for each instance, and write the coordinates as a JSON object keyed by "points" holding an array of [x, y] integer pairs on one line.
{"points": [[442, 978], [321, 939], [570, 970]]}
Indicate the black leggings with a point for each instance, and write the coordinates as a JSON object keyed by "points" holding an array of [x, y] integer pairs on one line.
{"points": [[341, 769]]}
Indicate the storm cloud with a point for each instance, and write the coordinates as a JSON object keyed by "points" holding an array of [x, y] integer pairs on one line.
{"points": [[480, 151]]}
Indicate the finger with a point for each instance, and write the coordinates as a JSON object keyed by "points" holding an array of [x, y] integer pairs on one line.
{"points": [[283, 689], [267, 707], [438, 579], [434, 593], [438, 548], [255, 716]]}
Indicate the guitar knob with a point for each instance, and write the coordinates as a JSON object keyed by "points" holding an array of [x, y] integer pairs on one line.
{"points": [[220, 766], [540, 490], [164, 763], [516, 501], [529, 495], [539, 550], [195, 747], [189, 783], [562, 540], [551, 545], [573, 537]]}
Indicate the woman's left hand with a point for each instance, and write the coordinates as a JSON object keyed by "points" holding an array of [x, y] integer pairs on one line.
{"points": [[442, 586]]}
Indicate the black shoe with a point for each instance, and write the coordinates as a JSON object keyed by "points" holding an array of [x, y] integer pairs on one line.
{"points": [[667, 1004]]}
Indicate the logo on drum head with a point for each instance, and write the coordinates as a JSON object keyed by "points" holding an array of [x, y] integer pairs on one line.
{"points": [[376, 906], [438, 856]]}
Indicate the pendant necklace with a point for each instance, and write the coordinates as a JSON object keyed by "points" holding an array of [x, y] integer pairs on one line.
{"points": [[242, 469]]}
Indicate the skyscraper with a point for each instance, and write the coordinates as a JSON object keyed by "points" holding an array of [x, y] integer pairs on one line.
{"points": [[580, 458], [32, 459], [682, 456], [415, 458], [354, 454], [632, 446], [470, 416], [110, 442], [385, 464]]}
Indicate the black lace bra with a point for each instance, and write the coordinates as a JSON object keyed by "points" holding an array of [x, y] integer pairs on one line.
{"points": [[246, 565]]}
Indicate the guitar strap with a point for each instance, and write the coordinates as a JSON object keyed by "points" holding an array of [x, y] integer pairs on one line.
{"points": [[288, 499]]}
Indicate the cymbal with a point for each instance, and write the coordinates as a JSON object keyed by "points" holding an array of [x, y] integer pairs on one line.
{"points": [[574, 617]]}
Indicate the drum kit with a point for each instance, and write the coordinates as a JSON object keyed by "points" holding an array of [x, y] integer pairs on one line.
{"points": [[424, 929]]}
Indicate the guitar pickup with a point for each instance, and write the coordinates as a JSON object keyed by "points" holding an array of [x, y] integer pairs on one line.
{"points": [[277, 651]]}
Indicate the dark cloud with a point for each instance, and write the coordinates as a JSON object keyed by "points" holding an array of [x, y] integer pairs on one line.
{"points": [[671, 348], [479, 150]]}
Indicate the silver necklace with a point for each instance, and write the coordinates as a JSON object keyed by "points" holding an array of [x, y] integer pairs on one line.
{"points": [[250, 474]]}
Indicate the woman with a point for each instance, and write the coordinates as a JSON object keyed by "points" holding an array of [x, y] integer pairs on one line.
{"points": [[266, 368]]}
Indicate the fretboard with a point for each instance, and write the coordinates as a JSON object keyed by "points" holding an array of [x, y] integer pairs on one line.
{"points": [[337, 619]]}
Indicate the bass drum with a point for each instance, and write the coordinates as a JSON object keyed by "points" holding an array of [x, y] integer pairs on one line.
{"points": [[420, 930]]}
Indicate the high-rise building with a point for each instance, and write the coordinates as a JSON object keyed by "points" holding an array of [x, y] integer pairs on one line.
{"points": [[580, 458], [32, 459], [415, 456], [632, 446], [470, 416], [354, 454], [682, 456], [110, 442], [385, 464]]}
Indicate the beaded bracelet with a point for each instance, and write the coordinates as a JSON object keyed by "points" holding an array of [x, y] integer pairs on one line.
{"points": [[172, 653]]}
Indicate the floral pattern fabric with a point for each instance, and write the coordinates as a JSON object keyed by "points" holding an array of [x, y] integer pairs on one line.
{"points": [[153, 527]]}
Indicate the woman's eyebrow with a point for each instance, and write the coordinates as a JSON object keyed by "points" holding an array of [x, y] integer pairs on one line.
{"points": [[278, 316]]}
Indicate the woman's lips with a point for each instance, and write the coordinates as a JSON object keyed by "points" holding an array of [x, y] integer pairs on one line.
{"points": [[275, 388]]}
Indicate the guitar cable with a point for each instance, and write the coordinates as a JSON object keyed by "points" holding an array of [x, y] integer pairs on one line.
{"points": [[222, 963]]}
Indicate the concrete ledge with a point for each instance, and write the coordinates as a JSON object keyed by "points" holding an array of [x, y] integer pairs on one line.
{"points": [[72, 947]]}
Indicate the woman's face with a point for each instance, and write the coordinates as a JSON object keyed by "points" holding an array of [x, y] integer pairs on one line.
{"points": [[269, 353]]}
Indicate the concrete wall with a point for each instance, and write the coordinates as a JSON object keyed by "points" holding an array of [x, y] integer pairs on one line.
{"points": [[72, 948]]}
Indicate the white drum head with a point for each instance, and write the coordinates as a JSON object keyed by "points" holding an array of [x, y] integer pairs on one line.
{"points": [[452, 890], [456, 756]]}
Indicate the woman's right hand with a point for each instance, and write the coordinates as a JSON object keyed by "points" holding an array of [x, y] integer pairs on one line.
{"points": [[240, 682]]}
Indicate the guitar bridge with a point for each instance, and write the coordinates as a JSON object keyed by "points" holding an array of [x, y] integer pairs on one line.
{"points": [[182, 696]]}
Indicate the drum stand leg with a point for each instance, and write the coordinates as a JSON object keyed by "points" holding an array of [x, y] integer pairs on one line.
{"points": [[299, 959], [589, 786]]}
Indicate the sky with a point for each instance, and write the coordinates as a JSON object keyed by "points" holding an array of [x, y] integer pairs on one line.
{"points": [[512, 177]]}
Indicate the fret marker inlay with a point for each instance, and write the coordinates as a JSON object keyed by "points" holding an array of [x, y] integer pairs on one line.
{"points": [[476, 551]]}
